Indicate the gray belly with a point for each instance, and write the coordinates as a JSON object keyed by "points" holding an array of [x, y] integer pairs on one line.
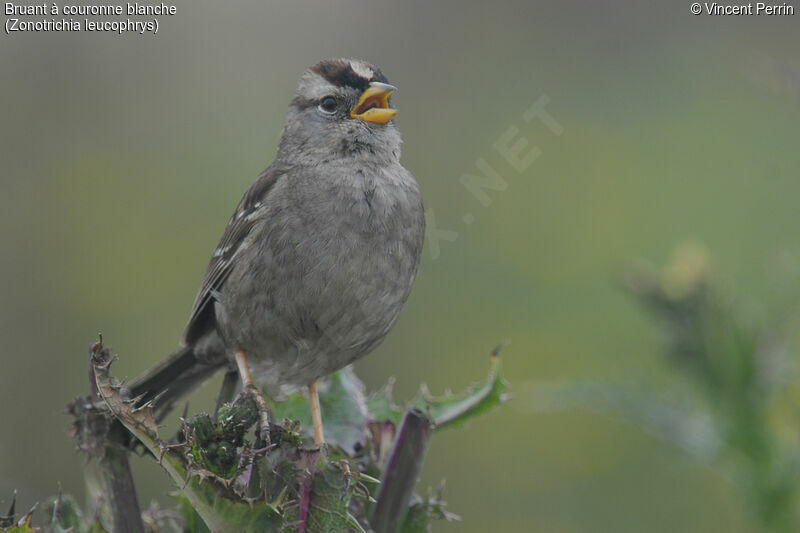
{"points": [[315, 297]]}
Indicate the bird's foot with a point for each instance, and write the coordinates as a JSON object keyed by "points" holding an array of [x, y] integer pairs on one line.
{"points": [[262, 429], [316, 415], [262, 426]]}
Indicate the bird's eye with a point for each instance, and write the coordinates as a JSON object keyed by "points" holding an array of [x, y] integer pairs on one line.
{"points": [[328, 104]]}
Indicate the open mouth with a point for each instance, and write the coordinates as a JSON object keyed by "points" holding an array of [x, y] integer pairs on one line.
{"points": [[373, 105]]}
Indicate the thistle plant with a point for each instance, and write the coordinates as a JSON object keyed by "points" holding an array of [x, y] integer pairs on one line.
{"points": [[728, 406], [226, 480]]}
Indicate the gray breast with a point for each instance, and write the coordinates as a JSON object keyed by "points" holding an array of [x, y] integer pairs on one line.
{"points": [[326, 272]]}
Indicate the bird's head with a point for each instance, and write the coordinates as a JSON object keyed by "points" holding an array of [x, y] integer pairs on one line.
{"points": [[341, 108]]}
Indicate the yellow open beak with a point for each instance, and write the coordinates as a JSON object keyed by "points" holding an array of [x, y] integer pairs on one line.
{"points": [[373, 106]]}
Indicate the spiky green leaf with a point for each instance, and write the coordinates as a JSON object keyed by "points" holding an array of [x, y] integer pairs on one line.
{"points": [[449, 410]]}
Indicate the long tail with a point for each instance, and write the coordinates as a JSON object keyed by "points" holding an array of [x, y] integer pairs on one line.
{"points": [[173, 378]]}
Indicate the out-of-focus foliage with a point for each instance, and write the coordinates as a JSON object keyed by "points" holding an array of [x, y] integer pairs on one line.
{"points": [[733, 371], [62, 514], [11, 524]]}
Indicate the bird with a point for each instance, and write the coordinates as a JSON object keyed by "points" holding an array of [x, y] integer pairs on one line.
{"points": [[317, 260]]}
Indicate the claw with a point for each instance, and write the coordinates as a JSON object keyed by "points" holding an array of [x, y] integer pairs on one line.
{"points": [[262, 427]]}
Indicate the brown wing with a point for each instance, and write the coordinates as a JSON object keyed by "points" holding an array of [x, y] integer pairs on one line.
{"points": [[224, 256]]}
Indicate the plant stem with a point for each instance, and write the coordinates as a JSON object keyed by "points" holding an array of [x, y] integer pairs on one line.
{"points": [[402, 471], [120, 491], [114, 466]]}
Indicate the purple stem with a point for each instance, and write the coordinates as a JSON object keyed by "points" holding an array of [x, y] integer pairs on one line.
{"points": [[305, 491]]}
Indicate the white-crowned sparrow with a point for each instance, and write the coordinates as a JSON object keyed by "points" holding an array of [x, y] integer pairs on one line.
{"points": [[319, 257]]}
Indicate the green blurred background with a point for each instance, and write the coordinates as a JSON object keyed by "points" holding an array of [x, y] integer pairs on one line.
{"points": [[123, 158]]}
